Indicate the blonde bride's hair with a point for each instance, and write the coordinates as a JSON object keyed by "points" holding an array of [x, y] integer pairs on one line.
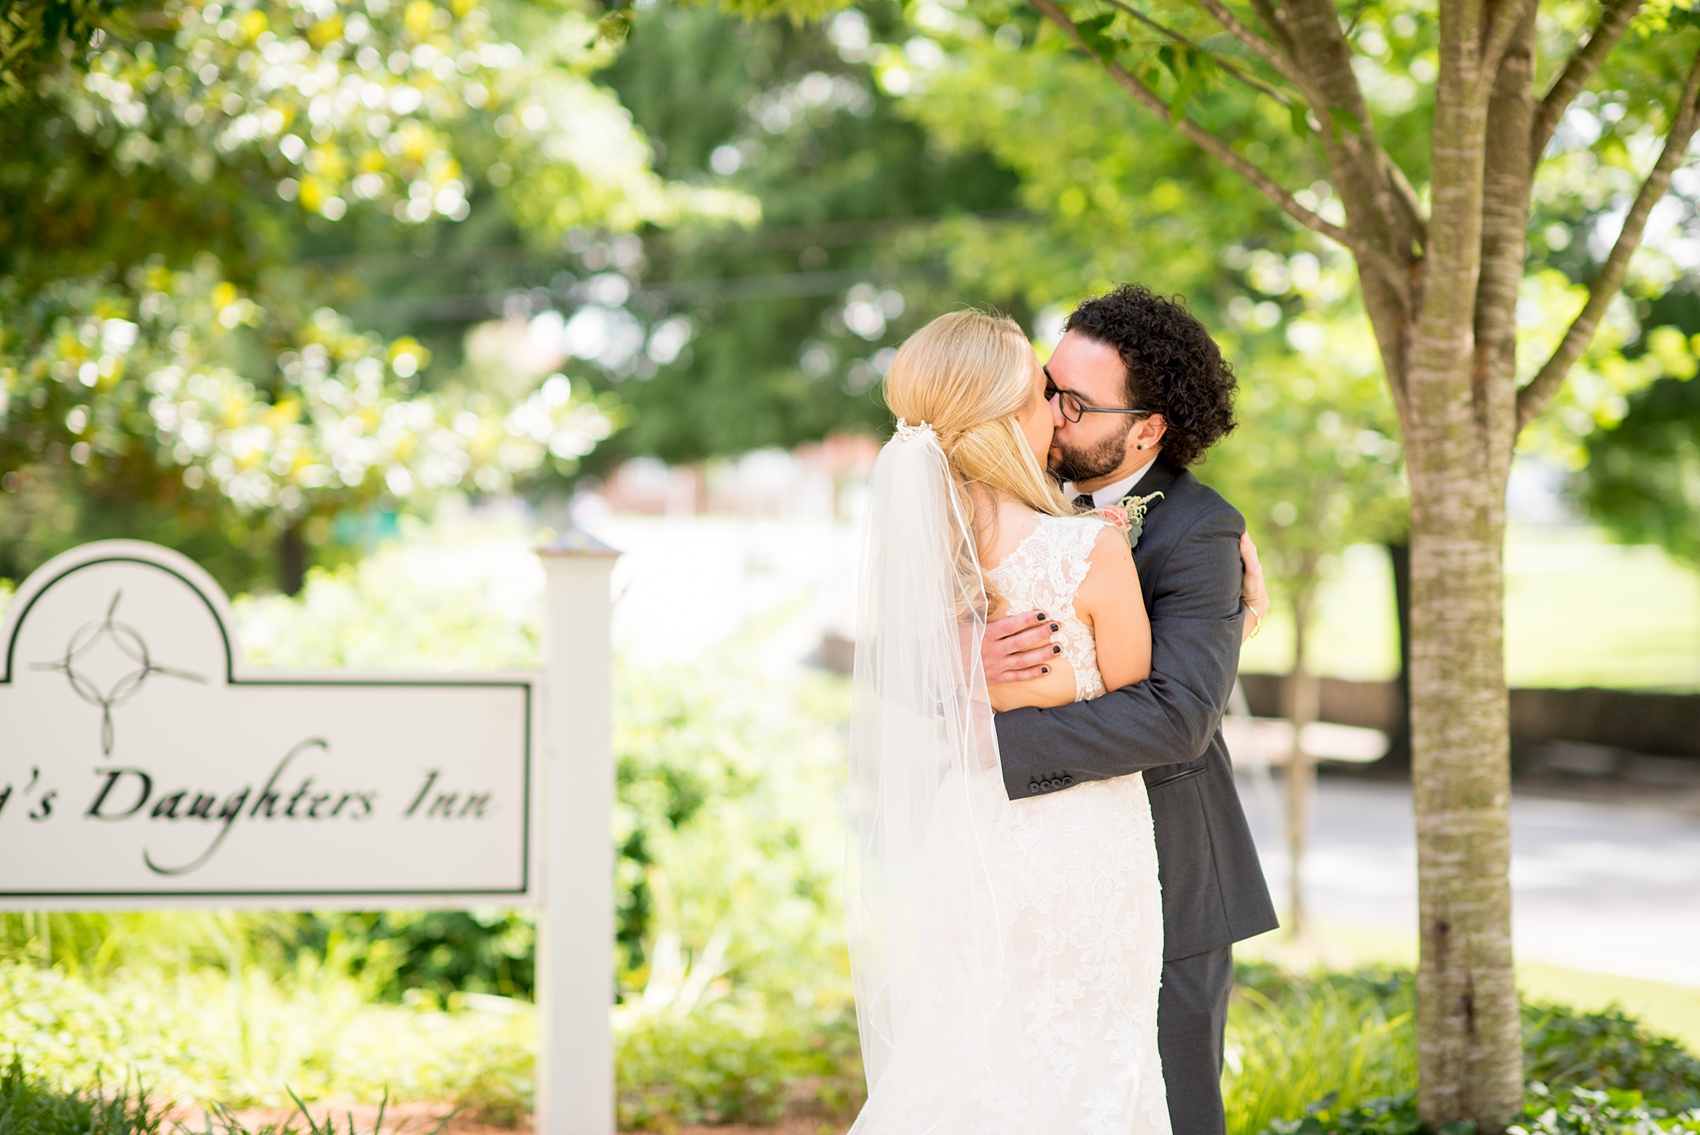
{"points": [[969, 375]]}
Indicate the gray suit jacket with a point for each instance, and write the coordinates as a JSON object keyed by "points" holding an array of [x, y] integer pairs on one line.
{"points": [[1170, 726]]}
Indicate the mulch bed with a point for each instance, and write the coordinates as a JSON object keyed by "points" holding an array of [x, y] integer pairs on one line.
{"points": [[423, 1118]]}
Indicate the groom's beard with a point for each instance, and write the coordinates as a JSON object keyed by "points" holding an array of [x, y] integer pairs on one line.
{"points": [[1075, 465]]}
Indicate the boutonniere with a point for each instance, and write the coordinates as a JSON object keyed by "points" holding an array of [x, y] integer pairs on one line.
{"points": [[1129, 516]]}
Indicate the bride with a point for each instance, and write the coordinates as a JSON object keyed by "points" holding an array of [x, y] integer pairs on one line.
{"points": [[1006, 954]]}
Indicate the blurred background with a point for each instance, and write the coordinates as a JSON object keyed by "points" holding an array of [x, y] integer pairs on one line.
{"points": [[356, 301]]}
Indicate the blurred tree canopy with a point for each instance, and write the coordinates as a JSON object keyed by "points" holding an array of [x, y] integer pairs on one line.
{"points": [[1642, 479], [37, 34], [780, 334], [171, 360]]}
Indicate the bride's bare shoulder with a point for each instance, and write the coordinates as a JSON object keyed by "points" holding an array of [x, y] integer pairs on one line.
{"points": [[1010, 524]]}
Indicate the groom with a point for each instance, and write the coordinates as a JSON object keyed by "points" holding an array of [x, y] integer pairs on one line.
{"points": [[1139, 391]]}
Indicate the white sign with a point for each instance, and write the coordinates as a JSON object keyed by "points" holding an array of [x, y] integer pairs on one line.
{"points": [[141, 765]]}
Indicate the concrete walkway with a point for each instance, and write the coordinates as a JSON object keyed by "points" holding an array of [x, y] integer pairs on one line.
{"points": [[1604, 886]]}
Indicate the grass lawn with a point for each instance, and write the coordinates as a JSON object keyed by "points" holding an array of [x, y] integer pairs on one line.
{"points": [[1579, 611]]}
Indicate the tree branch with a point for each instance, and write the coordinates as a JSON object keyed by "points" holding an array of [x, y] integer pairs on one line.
{"points": [[1607, 283], [1276, 21], [1615, 18], [1355, 155], [1245, 77], [1502, 26], [1367, 254], [1265, 50]]}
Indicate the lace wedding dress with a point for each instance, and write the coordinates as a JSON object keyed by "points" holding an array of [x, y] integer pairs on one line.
{"points": [[1068, 926]]}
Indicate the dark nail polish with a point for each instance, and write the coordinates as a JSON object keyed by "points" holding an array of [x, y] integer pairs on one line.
{"points": [[1041, 616], [1056, 650], [1044, 669], [1055, 627]]}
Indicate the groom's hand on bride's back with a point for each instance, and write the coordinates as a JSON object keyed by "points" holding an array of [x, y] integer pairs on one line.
{"points": [[1018, 647]]}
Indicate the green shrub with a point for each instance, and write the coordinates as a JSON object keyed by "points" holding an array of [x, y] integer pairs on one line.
{"points": [[1607, 1051], [206, 1036], [1345, 1043], [1582, 1111], [1578, 1111], [30, 1106], [1346, 1038], [724, 1067], [1339, 1050]]}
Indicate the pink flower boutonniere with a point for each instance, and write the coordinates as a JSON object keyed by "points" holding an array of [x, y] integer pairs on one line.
{"points": [[1129, 516], [1116, 515]]}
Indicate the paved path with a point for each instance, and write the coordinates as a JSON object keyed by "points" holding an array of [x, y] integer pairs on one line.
{"points": [[1608, 887]]}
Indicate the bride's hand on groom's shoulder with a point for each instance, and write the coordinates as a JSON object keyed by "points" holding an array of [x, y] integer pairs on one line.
{"points": [[1254, 593], [1017, 648]]}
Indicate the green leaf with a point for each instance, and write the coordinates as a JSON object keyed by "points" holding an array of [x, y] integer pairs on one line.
{"points": [[1177, 103], [1297, 113], [1093, 34]]}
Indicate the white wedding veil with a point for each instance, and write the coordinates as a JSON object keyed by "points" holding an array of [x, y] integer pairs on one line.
{"points": [[919, 894]]}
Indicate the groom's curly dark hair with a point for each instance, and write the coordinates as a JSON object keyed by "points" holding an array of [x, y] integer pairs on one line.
{"points": [[1173, 366]]}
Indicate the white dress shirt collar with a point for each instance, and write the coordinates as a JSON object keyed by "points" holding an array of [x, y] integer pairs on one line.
{"points": [[1111, 494]]}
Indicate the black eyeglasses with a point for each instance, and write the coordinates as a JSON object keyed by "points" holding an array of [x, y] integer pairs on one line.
{"points": [[1073, 409]]}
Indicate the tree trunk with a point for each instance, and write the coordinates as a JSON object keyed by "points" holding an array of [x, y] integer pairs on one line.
{"points": [[1302, 693], [1469, 1033], [292, 559], [1458, 422]]}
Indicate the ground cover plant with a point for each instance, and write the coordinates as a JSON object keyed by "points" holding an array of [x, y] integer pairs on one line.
{"points": [[30, 1106], [1587, 1073]]}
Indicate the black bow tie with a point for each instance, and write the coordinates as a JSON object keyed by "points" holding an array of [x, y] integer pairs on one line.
{"points": [[1083, 503]]}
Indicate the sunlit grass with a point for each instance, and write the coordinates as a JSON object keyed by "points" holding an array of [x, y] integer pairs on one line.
{"points": [[1631, 616]]}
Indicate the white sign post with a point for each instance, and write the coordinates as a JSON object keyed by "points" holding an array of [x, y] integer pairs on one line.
{"points": [[575, 946], [141, 765]]}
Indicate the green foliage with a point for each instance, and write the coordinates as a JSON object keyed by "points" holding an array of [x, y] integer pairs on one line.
{"points": [[96, 945], [35, 34], [178, 396], [179, 201], [438, 952], [29, 1106], [1575, 1112], [1642, 480], [1115, 195], [242, 1036], [1294, 1040], [720, 1068], [1587, 1072], [780, 334], [1608, 1052], [1314, 464]]}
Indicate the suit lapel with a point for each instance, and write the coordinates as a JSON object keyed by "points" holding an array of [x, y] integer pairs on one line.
{"points": [[1161, 479]]}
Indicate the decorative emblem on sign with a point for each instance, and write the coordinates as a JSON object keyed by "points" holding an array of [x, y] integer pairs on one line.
{"points": [[115, 652]]}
